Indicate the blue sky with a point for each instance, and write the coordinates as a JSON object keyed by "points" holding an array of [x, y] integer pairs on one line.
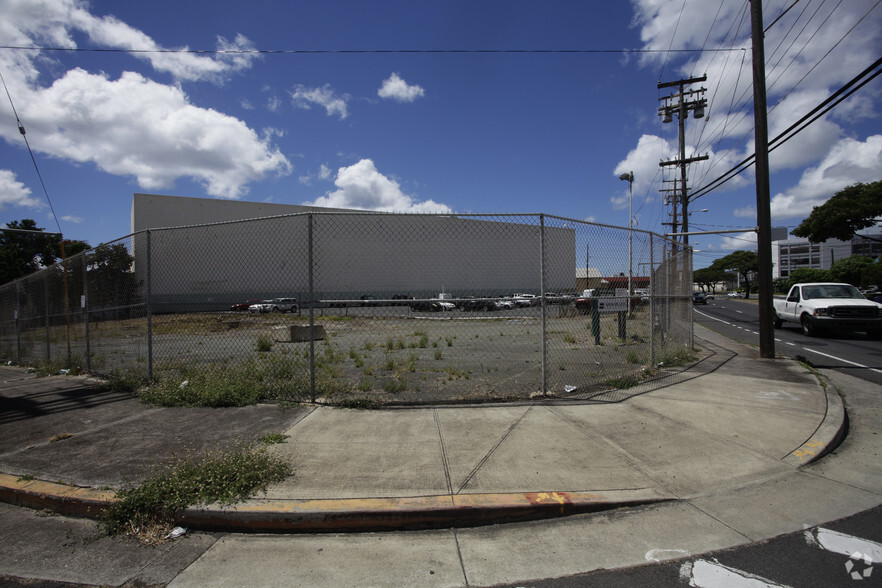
{"points": [[498, 106]]}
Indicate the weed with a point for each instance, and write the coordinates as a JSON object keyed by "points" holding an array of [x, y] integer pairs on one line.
{"points": [[148, 510], [273, 438], [395, 386], [265, 378], [410, 363], [60, 437], [358, 402], [365, 385], [123, 381], [677, 357], [438, 354], [26, 478], [389, 365], [623, 382], [264, 344], [633, 357], [570, 338]]}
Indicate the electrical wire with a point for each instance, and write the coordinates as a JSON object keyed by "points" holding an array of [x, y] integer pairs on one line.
{"points": [[24, 135], [351, 51], [821, 109]]}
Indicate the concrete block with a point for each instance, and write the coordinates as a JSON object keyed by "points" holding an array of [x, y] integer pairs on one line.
{"points": [[297, 333]]}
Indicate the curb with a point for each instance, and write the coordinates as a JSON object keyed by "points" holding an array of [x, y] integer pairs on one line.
{"points": [[827, 436], [337, 515], [423, 512], [66, 500]]}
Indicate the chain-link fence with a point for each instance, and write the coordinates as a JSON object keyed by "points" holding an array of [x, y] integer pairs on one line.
{"points": [[384, 307]]}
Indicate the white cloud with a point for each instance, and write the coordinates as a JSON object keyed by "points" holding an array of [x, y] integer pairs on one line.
{"points": [[809, 53], [72, 219], [397, 89], [746, 241], [57, 22], [134, 126], [14, 193], [847, 163], [746, 212], [324, 172], [360, 186], [130, 126], [304, 97]]}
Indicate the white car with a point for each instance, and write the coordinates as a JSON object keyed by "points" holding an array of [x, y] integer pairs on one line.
{"points": [[275, 305]]}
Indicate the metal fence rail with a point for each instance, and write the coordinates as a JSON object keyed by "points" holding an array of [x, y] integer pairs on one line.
{"points": [[395, 308]]}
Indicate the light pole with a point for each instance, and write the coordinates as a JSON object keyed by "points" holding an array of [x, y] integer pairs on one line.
{"points": [[629, 177]]}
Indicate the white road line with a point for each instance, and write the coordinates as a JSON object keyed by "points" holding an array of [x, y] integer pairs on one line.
{"points": [[706, 574], [843, 544], [860, 365]]}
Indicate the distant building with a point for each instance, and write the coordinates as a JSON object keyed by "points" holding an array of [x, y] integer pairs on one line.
{"points": [[215, 262], [796, 253]]}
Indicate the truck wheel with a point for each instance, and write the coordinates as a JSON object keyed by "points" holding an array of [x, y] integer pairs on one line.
{"points": [[777, 322], [808, 328]]}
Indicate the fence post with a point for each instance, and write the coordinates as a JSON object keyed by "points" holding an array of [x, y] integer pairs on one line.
{"points": [[149, 311], [542, 300], [17, 323], [46, 312], [309, 257], [85, 305], [652, 301]]}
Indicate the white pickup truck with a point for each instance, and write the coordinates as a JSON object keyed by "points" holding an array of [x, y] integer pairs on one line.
{"points": [[823, 305]]}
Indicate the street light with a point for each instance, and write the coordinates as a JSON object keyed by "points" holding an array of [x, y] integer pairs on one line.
{"points": [[629, 177]]}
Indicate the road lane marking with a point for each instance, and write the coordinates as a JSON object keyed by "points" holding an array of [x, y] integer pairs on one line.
{"points": [[659, 555], [860, 365], [706, 574], [843, 544]]}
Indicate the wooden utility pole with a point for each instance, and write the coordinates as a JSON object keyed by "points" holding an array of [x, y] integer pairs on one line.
{"points": [[763, 206], [681, 108]]}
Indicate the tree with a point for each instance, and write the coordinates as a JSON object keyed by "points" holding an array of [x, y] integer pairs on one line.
{"points": [[848, 211], [850, 269], [707, 278], [809, 274], [24, 253], [742, 262]]}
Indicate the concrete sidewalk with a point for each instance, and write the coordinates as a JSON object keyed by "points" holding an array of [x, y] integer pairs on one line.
{"points": [[720, 457], [743, 421]]}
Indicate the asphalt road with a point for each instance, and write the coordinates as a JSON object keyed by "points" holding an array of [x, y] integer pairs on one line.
{"points": [[826, 555], [851, 353]]}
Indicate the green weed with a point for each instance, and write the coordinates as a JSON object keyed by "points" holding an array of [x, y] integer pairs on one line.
{"points": [[149, 509]]}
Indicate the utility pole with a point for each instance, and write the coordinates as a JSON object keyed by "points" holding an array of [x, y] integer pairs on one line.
{"points": [[763, 206], [680, 103], [671, 198]]}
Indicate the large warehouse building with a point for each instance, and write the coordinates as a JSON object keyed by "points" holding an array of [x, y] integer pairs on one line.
{"points": [[207, 253]]}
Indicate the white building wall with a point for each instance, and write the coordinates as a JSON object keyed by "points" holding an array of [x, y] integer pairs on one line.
{"points": [[354, 253], [787, 254]]}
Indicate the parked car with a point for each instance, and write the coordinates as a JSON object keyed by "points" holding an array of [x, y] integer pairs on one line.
{"points": [[368, 300], [818, 306], [243, 305], [479, 304], [275, 305], [583, 302], [699, 298], [733, 295]]}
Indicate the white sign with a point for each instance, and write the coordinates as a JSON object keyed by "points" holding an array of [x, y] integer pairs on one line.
{"points": [[612, 304]]}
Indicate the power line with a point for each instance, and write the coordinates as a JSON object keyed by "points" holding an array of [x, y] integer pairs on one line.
{"points": [[821, 109], [21, 130], [352, 51]]}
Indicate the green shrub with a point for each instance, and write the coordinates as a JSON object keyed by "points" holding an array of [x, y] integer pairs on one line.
{"points": [[149, 509]]}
